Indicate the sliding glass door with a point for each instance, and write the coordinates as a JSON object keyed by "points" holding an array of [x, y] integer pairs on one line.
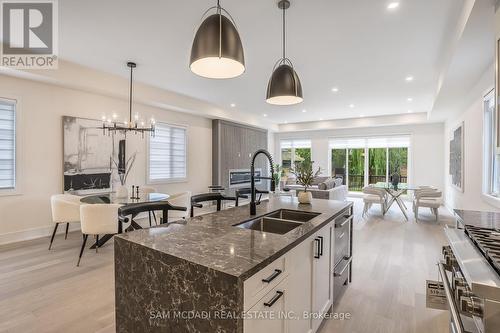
{"points": [[356, 176], [377, 165], [398, 163], [365, 161], [339, 164]]}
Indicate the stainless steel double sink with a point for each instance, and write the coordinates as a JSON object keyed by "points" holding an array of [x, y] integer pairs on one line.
{"points": [[278, 222]]}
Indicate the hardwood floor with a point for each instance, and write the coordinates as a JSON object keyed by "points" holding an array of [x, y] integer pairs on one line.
{"points": [[43, 291], [392, 261]]}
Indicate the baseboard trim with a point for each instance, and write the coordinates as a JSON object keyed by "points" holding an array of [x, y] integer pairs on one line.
{"points": [[34, 233]]}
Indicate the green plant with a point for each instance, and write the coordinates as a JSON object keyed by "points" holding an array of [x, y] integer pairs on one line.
{"points": [[304, 173], [278, 173]]}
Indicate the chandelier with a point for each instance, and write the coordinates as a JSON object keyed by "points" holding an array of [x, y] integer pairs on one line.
{"points": [[131, 125]]}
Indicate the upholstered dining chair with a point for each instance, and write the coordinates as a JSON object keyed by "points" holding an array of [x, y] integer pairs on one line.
{"points": [[429, 198], [145, 190], [373, 195], [98, 219], [420, 189], [65, 209], [182, 199]]}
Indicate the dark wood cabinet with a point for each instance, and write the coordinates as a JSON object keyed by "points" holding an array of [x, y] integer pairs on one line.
{"points": [[233, 145]]}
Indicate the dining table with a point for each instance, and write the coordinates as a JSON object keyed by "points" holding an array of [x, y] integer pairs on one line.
{"points": [[395, 192], [128, 204]]}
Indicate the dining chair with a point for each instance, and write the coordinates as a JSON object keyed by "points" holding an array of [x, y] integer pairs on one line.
{"points": [[98, 219], [145, 190], [373, 195], [65, 209], [182, 199], [198, 199], [427, 198]]}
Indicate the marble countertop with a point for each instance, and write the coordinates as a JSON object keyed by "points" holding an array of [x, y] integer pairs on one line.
{"points": [[489, 220], [212, 241]]}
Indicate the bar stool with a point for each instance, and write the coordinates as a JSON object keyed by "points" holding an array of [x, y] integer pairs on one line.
{"points": [[196, 200]]}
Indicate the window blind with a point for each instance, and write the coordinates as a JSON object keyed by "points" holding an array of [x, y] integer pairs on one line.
{"points": [[7, 144], [168, 153], [295, 143], [371, 142]]}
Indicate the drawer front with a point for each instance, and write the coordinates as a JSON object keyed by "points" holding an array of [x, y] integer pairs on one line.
{"points": [[342, 239], [341, 278], [263, 281], [267, 314]]}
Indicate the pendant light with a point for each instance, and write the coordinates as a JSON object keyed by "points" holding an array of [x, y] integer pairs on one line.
{"points": [[130, 125], [217, 52], [284, 86]]}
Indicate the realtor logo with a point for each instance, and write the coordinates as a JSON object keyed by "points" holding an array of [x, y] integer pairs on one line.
{"points": [[29, 34]]}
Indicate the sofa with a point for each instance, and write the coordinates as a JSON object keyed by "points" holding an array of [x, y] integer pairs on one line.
{"points": [[322, 188]]}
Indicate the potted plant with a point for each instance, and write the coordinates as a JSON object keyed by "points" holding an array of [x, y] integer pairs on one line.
{"points": [[305, 175]]}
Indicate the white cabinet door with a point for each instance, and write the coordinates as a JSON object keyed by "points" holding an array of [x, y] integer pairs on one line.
{"points": [[321, 277], [299, 263], [269, 314]]}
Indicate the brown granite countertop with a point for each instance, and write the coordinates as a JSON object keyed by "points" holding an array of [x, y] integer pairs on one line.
{"points": [[211, 240], [475, 218]]}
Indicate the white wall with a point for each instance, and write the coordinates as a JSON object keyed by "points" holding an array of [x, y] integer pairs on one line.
{"points": [[472, 117], [427, 148], [40, 108]]}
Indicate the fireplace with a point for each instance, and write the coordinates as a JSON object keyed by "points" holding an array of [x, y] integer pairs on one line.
{"points": [[241, 177]]}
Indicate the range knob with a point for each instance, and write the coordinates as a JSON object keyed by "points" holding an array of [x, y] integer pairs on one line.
{"points": [[472, 306]]}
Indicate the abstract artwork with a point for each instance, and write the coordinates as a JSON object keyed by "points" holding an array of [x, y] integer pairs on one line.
{"points": [[88, 156], [457, 157]]}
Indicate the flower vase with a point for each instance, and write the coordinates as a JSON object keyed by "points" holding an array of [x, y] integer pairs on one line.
{"points": [[122, 191], [304, 197]]}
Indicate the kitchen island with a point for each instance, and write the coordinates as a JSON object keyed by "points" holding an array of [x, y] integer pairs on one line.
{"points": [[232, 272]]}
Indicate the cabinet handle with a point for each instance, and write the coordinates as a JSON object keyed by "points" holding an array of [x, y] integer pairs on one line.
{"points": [[340, 225], [316, 242], [272, 276], [273, 300], [348, 259], [321, 245]]}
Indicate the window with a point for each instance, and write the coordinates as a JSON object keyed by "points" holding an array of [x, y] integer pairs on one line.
{"points": [[363, 161], [7, 144], [491, 158], [168, 154], [294, 150]]}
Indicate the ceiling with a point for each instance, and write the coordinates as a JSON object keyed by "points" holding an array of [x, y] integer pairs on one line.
{"points": [[358, 46]]}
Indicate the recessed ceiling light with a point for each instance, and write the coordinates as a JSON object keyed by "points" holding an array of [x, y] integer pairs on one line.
{"points": [[233, 105], [351, 106], [361, 116], [265, 115], [410, 111], [335, 89], [286, 121], [409, 99], [393, 5], [304, 111], [409, 78], [320, 119]]}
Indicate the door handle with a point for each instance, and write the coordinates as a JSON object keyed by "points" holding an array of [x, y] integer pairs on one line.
{"points": [[275, 298], [316, 242], [272, 276], [321, 245]]}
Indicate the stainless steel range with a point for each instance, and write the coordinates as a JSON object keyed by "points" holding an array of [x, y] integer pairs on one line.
{"points": [[470, 273]]}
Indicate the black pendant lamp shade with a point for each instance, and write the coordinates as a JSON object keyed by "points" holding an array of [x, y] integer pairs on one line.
{"points": [[284, 87], [217, 51]]}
